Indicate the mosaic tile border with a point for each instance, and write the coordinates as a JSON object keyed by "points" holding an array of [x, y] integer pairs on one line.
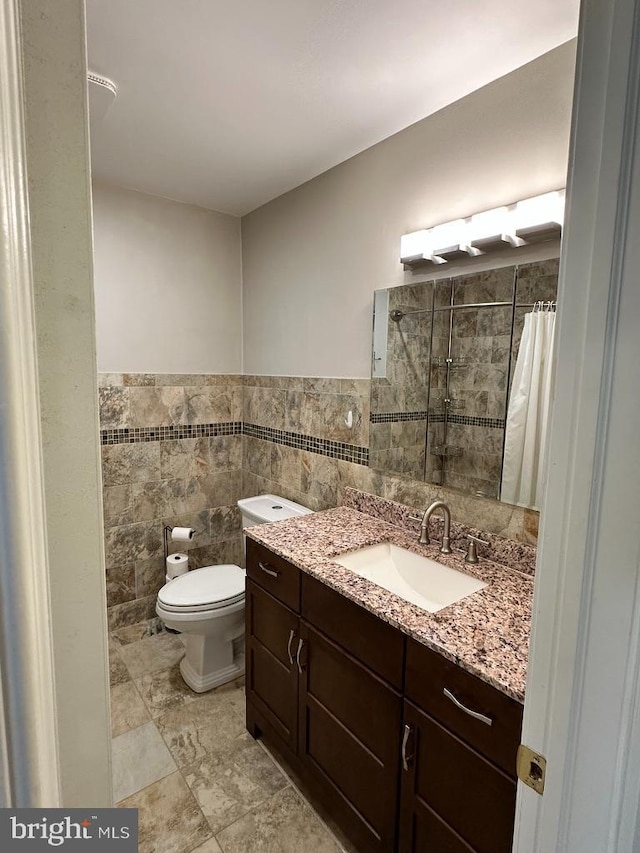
{"points": [[324, 446], [136, 435], [396, 417], [469, 420]]}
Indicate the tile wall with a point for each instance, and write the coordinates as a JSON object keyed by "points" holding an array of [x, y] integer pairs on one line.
{"points": [[457, 364], [181, 450], [478, 384], [399, 401], [309, 409], [171, 454]]}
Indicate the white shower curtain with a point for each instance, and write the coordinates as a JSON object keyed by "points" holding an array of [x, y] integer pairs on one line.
{"points": [[528, 413]]}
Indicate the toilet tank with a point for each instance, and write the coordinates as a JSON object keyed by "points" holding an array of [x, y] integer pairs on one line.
{"points": [[263, 509]]}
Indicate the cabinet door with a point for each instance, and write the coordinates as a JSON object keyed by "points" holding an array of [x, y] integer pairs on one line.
{"points": [[271, 674], [349, 740], [449, 791]]}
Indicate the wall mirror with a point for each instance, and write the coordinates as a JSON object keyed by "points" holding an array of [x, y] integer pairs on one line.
{"points": [[461, 370]]}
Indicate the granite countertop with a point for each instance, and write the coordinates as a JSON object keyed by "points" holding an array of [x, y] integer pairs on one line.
{"points": [[487, 633]]}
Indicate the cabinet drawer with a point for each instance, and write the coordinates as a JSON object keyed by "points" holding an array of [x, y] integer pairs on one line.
{"points": [[428, 675], [365, 636], [275, 574]]}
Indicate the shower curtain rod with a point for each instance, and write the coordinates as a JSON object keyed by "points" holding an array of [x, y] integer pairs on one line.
{"points": [[398, 315]]}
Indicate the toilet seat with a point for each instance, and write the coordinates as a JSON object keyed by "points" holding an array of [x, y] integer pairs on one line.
{"points": [[202, 590]]}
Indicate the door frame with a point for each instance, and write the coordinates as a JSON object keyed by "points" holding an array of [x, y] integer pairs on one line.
{"points": [[583, 689], [29, 763]]}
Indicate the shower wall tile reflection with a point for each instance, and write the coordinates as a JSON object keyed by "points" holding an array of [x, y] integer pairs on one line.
{"points": [[399, 446], [466, 372], [473, 384]]}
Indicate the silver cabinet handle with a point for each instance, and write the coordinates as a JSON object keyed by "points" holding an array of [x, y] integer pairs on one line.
{"points": [[405, 740], [300, 645], [291, 636], [475, 714], [271, 572]]}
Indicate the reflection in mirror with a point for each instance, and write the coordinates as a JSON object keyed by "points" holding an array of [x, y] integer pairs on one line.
{"points": [[450, 379]]}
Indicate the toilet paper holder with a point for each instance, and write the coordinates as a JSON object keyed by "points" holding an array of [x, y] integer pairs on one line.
{"points": [[178, 534]]}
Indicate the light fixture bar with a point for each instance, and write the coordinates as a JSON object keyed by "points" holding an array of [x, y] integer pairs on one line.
{"points": [[531, 220]]}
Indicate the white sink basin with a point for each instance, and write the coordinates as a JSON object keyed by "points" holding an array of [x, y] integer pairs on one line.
{"points": [[417, 579]]}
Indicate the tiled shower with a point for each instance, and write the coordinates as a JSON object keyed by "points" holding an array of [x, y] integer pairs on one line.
{"points": [[439, 413]]}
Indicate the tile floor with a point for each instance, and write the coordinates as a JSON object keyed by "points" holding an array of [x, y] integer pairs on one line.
{"points": [[187, 763]]}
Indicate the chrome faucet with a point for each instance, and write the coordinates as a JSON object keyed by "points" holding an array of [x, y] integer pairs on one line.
{"points": [[445, 548]]}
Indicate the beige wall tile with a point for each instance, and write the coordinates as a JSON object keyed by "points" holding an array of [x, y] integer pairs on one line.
{"points": [[130, 463], [114, 407], [121, 584], [156, 406], [197, 481], [139, 379], [131, 612], [128, 543]]}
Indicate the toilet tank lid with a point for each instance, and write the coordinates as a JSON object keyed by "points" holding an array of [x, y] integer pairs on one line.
{"points": [[266, 508]]}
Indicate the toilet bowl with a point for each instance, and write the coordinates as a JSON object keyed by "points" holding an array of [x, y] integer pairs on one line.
{"points": [[207, 606]]}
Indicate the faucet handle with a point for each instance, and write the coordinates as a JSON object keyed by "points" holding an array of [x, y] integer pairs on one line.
{"points": [[472, 551]]}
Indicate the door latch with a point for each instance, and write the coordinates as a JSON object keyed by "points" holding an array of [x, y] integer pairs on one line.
{"points": [[532, 768]]}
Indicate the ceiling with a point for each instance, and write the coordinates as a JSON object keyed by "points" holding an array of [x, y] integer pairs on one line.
{"points": [[228, 105]]}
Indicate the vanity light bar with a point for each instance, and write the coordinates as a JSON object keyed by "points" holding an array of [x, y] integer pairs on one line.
{"points": [[531, 220]]}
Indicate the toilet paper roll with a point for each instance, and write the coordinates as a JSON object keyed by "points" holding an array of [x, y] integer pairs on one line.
{"points": [[182, 534], [177, 564]]}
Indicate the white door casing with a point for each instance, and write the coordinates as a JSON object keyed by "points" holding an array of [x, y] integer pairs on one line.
{"points": [[28, 732], [582, 709]]}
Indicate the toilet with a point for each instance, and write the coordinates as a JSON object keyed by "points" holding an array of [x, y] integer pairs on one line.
{"points": [[207, 605]]}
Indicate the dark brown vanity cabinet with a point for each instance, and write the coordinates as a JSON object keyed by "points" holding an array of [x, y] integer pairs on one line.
{"points": [[271, 672], [349, 724], [460, 739], [323, 679], [377, 724]]}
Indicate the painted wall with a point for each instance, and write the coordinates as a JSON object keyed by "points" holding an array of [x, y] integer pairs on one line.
{"points": [[168, 285], [313, 257], [60, 217]]}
